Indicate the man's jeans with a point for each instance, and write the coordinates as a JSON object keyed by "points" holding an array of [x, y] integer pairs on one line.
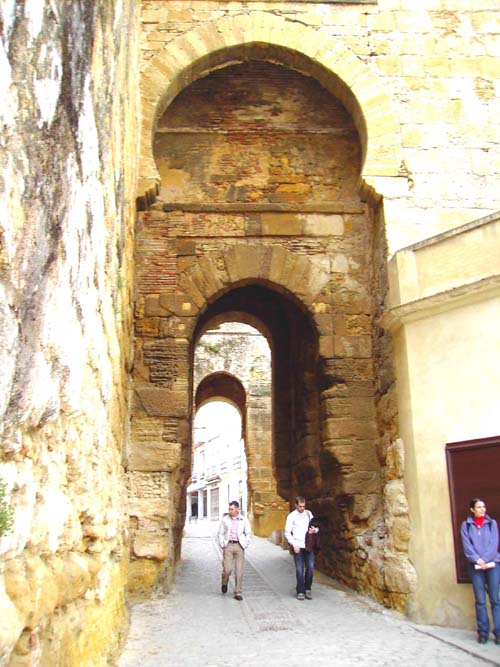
{"points": [[490, 579], [304, 568]]}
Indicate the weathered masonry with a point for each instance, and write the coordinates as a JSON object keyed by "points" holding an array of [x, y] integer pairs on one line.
{"points": [[327, 173], [258, 213]]}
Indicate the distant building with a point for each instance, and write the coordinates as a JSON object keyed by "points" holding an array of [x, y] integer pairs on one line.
{"points": [[219, 475]]}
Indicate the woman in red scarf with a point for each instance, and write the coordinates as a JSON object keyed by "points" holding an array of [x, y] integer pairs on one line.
{"points": [[480, 541]]}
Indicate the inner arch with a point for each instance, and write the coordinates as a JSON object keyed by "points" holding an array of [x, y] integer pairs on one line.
{"points": [[292, 434]]}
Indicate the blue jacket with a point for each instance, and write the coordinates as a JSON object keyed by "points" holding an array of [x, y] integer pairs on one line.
{"points": [[480, 543]]}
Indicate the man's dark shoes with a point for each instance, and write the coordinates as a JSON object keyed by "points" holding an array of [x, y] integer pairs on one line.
{"points": [[223, 588], [482, 639], [238, 597]]}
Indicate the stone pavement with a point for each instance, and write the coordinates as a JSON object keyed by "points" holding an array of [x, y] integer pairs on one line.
{"points": [[197, 626]]}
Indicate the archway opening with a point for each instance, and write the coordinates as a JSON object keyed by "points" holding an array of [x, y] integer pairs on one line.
{"points": [[281, 416], [219, 465], [232, 360]]}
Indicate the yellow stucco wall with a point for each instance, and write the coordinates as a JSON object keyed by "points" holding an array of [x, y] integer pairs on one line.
{"points": [[447, 356]]}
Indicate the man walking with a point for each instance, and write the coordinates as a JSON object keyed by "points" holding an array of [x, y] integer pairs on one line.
{"points": [[298, 525], [234, 536]]}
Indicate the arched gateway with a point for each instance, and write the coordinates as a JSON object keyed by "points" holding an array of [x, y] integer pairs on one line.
{"points": [[261, 140]]}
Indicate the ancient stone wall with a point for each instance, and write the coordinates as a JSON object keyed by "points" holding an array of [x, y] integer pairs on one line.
{"points": [[68, 156], [437, 64], [259, 169]]}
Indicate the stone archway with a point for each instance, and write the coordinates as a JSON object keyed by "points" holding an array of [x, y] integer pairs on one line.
{"points": [[221, 384], [159, 460], [266, 36], [219, 460], [325, 272], [282, 411]]}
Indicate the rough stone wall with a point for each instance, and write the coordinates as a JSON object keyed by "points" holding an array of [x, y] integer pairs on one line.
{"points": [[258, 159], [67, 170]]}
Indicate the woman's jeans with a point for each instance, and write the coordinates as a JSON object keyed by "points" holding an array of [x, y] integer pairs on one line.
{"points": [[304, 568], [482, 580]]}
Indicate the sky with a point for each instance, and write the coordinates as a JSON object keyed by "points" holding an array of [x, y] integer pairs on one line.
{"points": [[217, 417]]}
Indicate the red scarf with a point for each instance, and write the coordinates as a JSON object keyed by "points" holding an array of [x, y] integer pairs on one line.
{"points": [[479, 520]]}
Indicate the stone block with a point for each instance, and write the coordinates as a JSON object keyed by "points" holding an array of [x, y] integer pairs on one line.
{"points": [[185, 264], [353, 346], [340, 263], [186, 247], [324, 323], [361, 482], [176, 327], [395, 502], [364, 507], [151, 508], [148, 327], [399, 533], [281, 224], [153, 455], [200, 281], [363, 429], [160, 402], [278, 261], [247, 261], [317, 278], [178, 304], [143, 577], [298, 270], [355, 407], [341, 451], [211, 275], [153, 546], [152, 307], [327, 346], [191, 290], [395, 459], [399, 574]]}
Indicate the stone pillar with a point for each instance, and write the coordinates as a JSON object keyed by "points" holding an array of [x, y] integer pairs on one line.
{"points": [[159, 457]]}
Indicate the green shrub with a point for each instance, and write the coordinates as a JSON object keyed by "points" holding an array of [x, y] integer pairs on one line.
{"points": [[6, 511]]}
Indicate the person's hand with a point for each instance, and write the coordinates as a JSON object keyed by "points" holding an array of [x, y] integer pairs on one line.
{"points": [[481, 562], [296, 550]]}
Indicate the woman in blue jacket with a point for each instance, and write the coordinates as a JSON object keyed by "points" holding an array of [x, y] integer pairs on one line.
{"points": [[480, 541]]}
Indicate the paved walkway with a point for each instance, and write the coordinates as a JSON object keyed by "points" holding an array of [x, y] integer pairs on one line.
{"points": [[196, 626]]}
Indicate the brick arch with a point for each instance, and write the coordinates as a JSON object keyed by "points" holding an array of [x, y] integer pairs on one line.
{"points": [[262, 35], [222, 386]]}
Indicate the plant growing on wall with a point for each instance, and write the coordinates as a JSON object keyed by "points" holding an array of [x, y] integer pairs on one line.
{"points": [[6, 511], [214, 348]]}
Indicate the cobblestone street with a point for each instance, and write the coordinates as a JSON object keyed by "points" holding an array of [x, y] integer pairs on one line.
{"points": [[196, 626]]}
